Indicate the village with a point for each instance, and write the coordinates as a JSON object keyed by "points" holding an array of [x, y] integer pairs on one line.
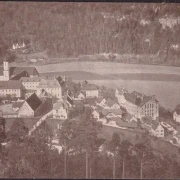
{"points": [[25, 94]]}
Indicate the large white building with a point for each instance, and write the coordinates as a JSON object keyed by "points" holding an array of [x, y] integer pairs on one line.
{"points": [[139, 105], [51, 86]]}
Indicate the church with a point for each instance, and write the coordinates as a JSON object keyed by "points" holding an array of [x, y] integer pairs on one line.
{"points": [[15, 73]]}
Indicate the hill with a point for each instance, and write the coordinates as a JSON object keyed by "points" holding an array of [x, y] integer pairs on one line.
{"points": [[138, 32]]}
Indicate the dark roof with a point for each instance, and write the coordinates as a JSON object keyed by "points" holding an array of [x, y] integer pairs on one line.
{"points": [[20, 75], [87, 87], [105, 112], [33, 101], [17, 70], [11, 84], [32, 71], [137, 98]]}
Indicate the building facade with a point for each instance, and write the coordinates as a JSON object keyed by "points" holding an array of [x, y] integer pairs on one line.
{"points": [[60, 110], [51, 86], [141, 105], [11, 88]]}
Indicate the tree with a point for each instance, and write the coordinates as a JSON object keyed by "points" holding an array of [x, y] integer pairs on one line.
{"points": [[85, 137], [66, 134], [113, 147], [18, 130]]}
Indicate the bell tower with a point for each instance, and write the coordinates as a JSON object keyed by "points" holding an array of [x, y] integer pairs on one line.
{"points": [[6, 71]]}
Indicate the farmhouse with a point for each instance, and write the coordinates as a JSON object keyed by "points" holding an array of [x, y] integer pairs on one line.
{"points": [[30, 107], [90, 90], [101, 101], [157, 129], [110, 104], [95, 114], [60, 110]]}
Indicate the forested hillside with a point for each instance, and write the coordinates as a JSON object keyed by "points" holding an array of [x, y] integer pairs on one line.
{"points": [[74, 29]]}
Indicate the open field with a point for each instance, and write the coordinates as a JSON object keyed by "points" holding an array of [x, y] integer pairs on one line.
{"points": [[108, 68]]}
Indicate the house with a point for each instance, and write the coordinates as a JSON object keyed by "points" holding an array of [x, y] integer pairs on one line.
{"points": [[60, 110], [119, 94], [90, 90], [157, 129], [141, 105], [109, 113], [121, 123], [30, 107], [176, 114], [51, 85], [78, 96], [95, 114], [10, 88], [101, 101], [129, 118], [15, 73], [110, 104]]}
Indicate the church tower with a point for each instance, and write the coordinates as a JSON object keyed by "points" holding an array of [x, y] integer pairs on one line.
{"points": [[6, 71]]}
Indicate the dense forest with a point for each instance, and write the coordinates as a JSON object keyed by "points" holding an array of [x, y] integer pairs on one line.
{"points": [[74, 29]]}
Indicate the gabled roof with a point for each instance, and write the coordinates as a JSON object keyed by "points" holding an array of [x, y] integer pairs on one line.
{"points": [[99, 99], [11, 84], [33, 101], [137, 98], [86, 87], [155, 124], [110, 102], [49, 83], [78, 93], [32, 71], [20, 75], [105, 112]]}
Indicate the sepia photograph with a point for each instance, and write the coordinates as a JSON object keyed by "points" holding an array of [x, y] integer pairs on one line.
{"points": [[89, 90]]}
